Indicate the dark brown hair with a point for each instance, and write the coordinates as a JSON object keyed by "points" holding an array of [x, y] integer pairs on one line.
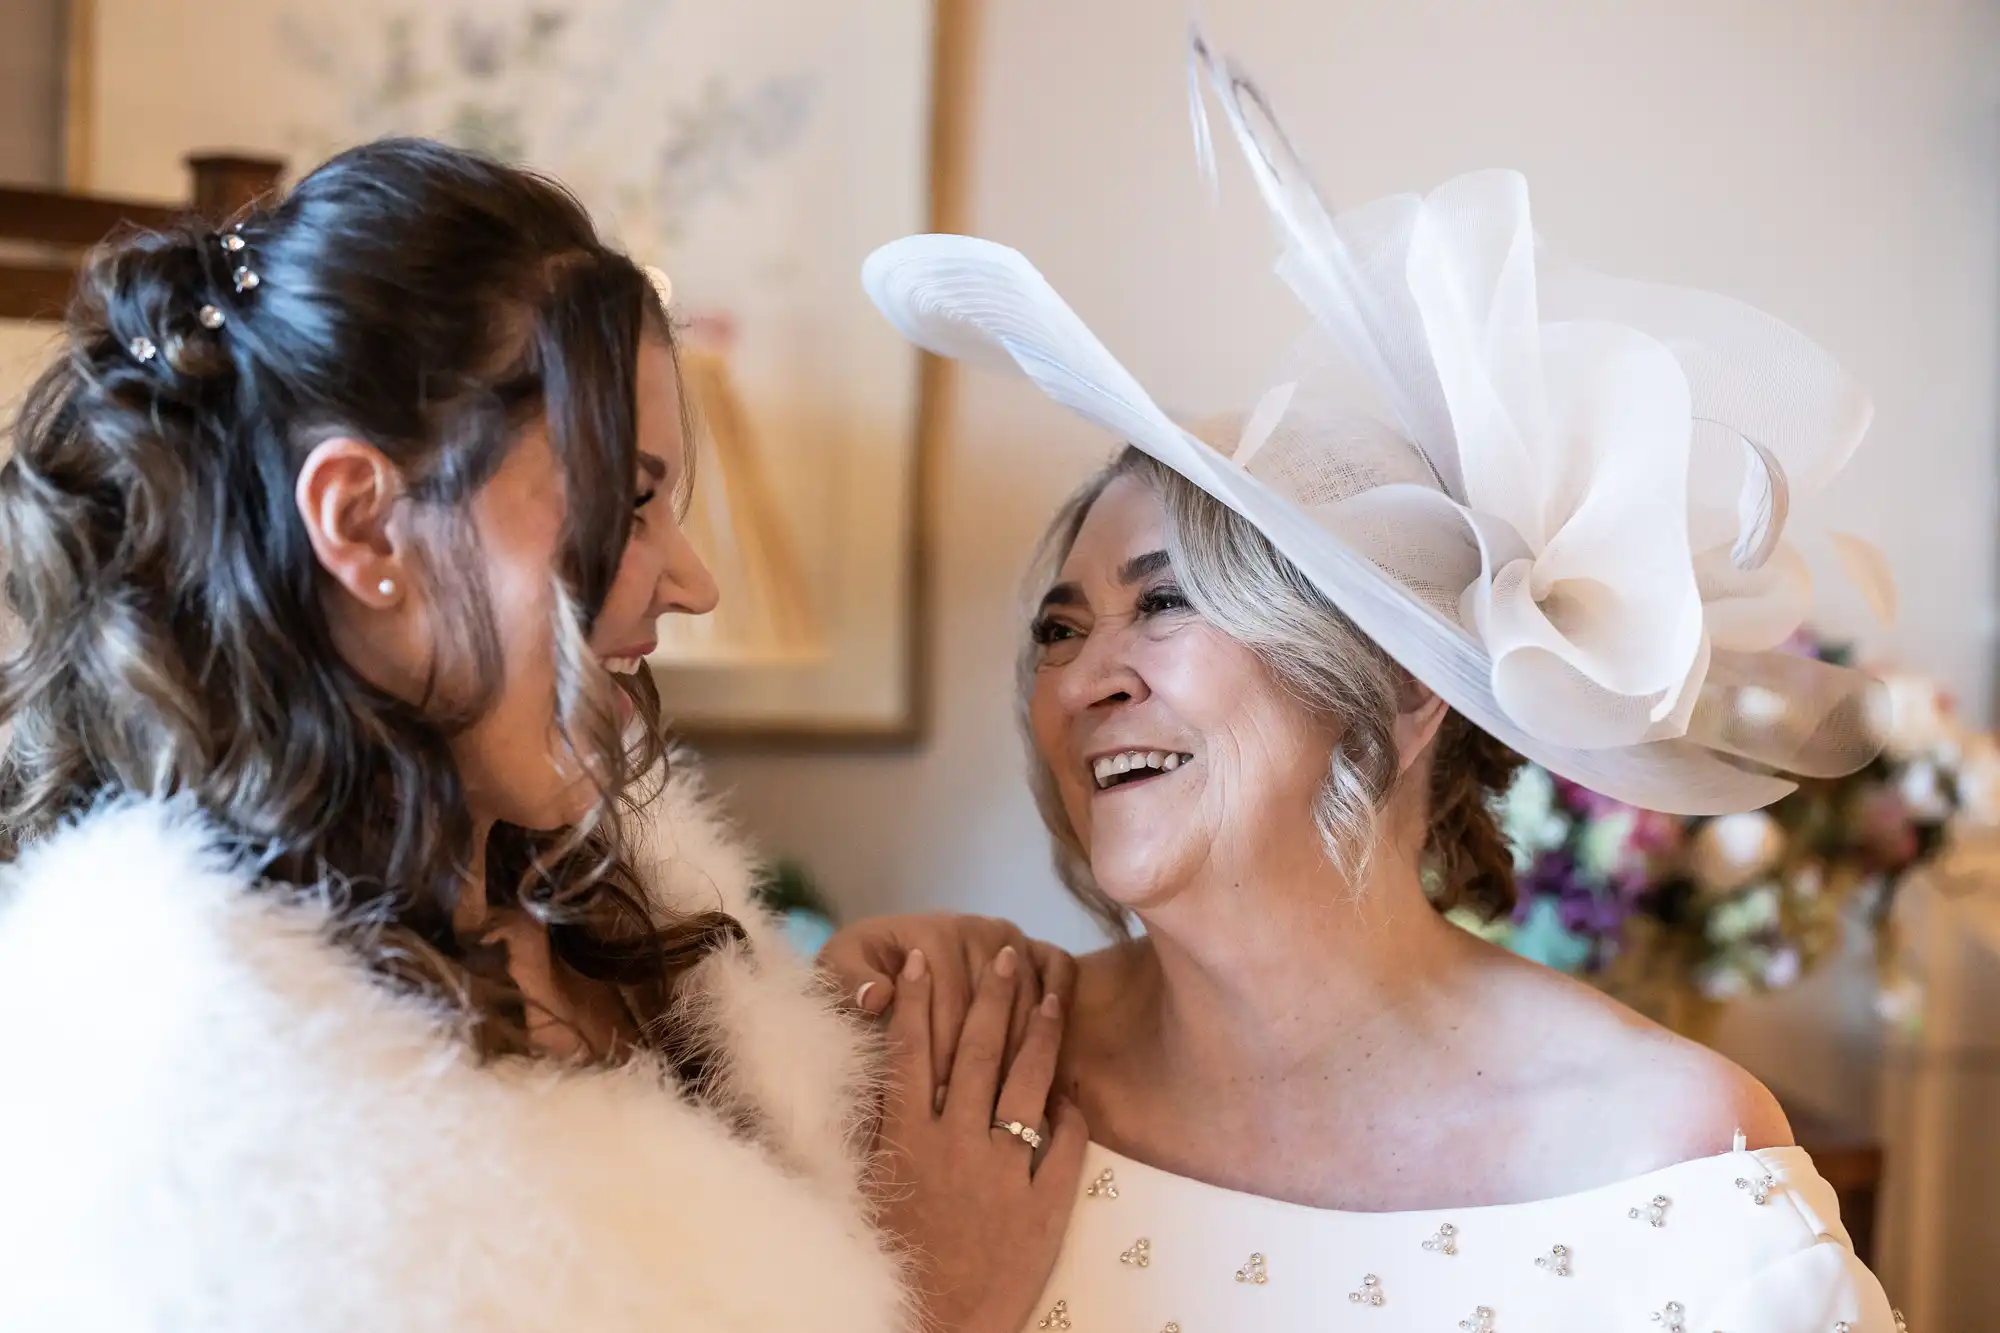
{"points": [[430, 301], [1239, 582]]}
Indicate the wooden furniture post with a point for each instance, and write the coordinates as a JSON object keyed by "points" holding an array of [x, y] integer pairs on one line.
{"points": [[55, 227], [225, 186]]}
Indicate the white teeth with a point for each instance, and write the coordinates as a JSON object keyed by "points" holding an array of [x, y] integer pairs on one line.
{"points": [[621, 666], [1111, 766]]}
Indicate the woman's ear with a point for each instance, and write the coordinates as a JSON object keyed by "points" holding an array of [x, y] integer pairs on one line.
{"points": [[1419, 715], [346, 496]]}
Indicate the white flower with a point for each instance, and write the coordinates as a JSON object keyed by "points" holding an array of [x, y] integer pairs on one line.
{"points": [[1919, 716], [1782, 968], [1749, 913], [1530, 817], [1721, 981], [1763, 907], [1900, 1004], [1923, 793], [1979, 782], [1606, 842], [1731, 851]]}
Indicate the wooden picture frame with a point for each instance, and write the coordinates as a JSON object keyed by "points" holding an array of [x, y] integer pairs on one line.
{"points": [[119, 80]]}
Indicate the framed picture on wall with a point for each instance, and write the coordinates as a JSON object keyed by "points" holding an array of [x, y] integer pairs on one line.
{"points": [[755, 152]]}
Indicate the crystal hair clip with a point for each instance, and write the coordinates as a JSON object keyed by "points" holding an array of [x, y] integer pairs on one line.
{"points": [[242, 278]]}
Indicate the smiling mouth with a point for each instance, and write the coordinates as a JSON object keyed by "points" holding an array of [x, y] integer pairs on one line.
{"points": [[1134, 766]]}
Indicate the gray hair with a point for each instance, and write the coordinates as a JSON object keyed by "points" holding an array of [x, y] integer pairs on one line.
{"points": [[1238, 582]]}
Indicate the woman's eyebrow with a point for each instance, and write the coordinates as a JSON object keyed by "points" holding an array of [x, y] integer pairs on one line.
{"points": [[1142, 567]]}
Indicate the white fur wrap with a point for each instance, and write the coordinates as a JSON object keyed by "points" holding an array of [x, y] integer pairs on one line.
{"points": [[216, 1120]]}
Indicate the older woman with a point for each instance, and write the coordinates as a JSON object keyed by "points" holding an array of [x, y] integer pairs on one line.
{"points": [[1313, 1102]]}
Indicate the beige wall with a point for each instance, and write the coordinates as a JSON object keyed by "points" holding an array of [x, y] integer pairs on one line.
{"points": [[30, 90], [1832, 161]]}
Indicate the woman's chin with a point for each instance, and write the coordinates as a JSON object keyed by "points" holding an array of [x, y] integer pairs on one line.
{"points": [[1140, 883]]}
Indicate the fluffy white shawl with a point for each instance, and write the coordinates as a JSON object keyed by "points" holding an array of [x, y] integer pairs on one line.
{"points": [[215, 1120]]}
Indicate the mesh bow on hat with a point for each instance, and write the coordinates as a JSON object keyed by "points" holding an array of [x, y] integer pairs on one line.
{"points": [[1556, 498]]}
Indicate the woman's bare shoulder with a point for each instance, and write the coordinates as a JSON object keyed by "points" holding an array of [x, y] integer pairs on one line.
{"points": [[1640, 1096]]}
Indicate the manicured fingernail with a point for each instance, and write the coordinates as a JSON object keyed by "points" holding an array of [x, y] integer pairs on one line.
{"points": [[937, 1101], [861, 996], [1052, 1005], [1004, 964], [913, 966]]}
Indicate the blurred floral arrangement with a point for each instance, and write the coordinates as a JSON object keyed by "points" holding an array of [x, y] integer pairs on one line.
{"points": [[787, 890], [1653, 906]]}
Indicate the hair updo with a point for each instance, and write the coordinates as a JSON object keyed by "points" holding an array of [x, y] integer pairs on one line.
{"points": [[1241, 584], [432, 302]]}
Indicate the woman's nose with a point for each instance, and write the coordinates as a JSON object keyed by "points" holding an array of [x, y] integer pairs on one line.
{"points": [[686, 586], [1102, 673]]}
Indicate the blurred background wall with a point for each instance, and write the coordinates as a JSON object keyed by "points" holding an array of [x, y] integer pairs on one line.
{"points": [[31, 91]]}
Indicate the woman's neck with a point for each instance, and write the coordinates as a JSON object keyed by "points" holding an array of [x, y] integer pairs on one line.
{"points": [[1274, 976]]}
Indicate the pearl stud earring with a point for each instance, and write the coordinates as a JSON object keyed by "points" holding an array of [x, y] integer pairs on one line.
{"points": [[387, 587]]}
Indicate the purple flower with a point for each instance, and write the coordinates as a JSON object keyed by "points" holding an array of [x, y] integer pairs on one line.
{"points": [[1803, 643], [1596, 914], [1584, 801]]}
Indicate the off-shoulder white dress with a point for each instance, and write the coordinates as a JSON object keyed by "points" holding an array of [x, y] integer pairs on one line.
{"points": [[1746, 1242]]}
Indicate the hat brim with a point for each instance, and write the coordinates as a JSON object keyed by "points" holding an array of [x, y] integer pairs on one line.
{"points": [[977, 301]]}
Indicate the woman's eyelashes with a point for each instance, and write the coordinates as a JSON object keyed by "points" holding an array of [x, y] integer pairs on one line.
{"points": [[1162, 600], [640, 502], [1057, 636]]}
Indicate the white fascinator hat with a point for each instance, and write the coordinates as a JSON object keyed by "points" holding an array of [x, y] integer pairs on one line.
{"points": [[1558, 499]]}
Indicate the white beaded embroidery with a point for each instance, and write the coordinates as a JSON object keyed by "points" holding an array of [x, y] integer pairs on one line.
{"points": [[1654, 1212], [1140, 1255], [1104, 1187], [1370, 1293], [1556, 1261], [1057, 1318], [1760, 1188], [1480, 1322], [1253, 1272], [1445, 1241], [1671, 1319]]}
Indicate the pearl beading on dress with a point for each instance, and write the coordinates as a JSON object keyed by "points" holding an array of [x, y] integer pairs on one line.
{"points": [[1502, 1250], [1654, 1212]]}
